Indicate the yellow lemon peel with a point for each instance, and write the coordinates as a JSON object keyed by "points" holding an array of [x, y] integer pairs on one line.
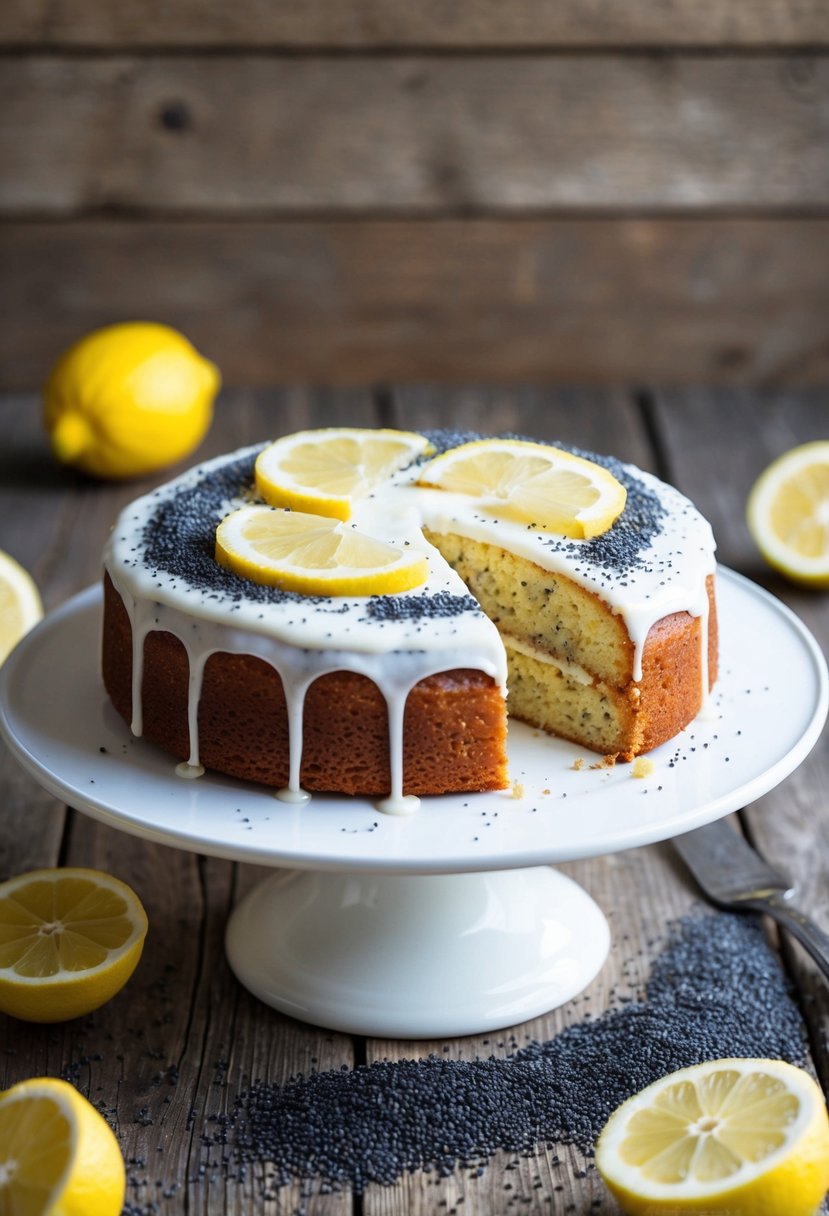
{"points": [[129, 399]]}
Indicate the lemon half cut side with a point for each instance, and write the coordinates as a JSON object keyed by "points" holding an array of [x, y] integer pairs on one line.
{"points": [[70, 938], [20, 604], [788, 514], [58, 1156], [734, 1137], [324, 471], [543, 486], [314, 554]]}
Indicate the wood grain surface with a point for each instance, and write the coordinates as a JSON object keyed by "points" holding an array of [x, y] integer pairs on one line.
{"points": [[166, 1058], [663, 301], [377, 23], [411, 135]]}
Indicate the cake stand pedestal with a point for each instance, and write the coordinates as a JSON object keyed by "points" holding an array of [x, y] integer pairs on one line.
{"points": [[417, 956], [450, 921]]}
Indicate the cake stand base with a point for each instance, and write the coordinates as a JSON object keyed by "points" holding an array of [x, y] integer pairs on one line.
{"points": [[417, 956]]}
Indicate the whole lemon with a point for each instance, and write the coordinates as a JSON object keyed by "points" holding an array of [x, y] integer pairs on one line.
{"points": [[128, 399]]}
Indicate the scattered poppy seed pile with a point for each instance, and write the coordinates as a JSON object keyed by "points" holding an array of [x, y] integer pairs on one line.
{"points": [[717, 990]]}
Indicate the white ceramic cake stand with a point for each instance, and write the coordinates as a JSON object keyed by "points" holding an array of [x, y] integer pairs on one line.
{"points": [[450, 921]]}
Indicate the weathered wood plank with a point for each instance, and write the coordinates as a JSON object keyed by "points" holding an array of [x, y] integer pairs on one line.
{"points": [[373, 23], [619, 301], [789, 824], [413, 134]]}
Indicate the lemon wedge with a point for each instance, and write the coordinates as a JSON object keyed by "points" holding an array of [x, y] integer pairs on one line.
{"points": [[69, 940], [735, 1137], [788, 514], [543, 486], [20, 605], [314, 554], [57, 1154], [129, 399], [324, 471]]}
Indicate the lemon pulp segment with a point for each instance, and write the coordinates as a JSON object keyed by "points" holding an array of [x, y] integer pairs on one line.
{"points": [[543, 486], [324, 471], [35, 1152], [708, 1130], [68, 925]]}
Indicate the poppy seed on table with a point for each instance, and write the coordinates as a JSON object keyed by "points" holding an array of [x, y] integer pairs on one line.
{"points": [[716, 990]]}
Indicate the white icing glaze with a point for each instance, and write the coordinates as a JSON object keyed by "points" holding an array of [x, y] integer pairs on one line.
{"points": [[307, 638]]}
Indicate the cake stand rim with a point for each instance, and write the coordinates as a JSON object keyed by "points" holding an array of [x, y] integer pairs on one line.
{"points": [[87, 801]]}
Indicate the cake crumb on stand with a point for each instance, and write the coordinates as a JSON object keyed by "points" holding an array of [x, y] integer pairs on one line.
{"points": [[642, 767]]}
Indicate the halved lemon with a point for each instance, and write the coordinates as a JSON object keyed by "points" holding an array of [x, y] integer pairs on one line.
{"points": [[20, 605], [735, 1137], [313, 554], [324, 471], [69, 940], [788, 514], [539, 485], [58, 1157]]}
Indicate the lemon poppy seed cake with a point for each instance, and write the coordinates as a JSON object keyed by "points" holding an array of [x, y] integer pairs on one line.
{"points": [[358, 633]]}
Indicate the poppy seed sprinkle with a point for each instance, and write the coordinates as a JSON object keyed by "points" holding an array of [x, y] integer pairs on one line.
{"points": [[716, 990]]}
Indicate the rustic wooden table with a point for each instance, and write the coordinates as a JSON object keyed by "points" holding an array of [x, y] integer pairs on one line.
{"points": [[152, 1058]]}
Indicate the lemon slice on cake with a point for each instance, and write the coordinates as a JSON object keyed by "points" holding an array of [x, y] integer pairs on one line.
{"points": [[69, 940], [736, 1137], [20, 605], [314, 554], [57, 1153], [788, 514], [545, 487], [323, 471]]}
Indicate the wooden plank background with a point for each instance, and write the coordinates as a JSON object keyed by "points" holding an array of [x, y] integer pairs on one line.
{"points": [[620, 191], [378, 23], [631, 300], [413, 134]]}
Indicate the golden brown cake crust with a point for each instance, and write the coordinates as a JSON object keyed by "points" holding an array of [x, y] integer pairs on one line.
{"points": [[454, 728]]}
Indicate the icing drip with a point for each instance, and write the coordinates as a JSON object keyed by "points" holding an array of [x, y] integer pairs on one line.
{"points": [[196, 663], [394, 672], [189, 771], [294, 701]]}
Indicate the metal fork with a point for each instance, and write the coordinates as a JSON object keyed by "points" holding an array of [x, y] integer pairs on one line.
{"points": [[733, 875]]}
